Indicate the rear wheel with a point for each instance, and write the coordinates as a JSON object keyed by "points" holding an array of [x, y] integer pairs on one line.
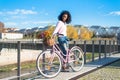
{"points": [[49, 64], [76, 58]]}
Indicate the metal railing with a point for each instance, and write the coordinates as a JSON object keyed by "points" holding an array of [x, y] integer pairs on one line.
{"points": [[103, 49]]}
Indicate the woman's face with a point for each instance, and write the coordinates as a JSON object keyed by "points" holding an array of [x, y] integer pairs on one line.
{"points": [[64, 17]]}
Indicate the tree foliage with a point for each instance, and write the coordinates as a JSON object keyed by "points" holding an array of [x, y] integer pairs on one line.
{"points": [[47, 32], [85, 33], [50, 29], [72, 32]]}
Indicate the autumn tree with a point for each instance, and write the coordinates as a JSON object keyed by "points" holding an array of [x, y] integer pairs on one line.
{"points": [[85, 33], [72, 32], [50, 29]]}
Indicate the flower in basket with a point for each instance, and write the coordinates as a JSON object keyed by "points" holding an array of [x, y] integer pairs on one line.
{"points": [[47, 35], [44, 35], [47, 38]]}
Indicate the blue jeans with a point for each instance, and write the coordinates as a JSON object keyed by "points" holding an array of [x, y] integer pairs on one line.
{"points": [[63, 43]]}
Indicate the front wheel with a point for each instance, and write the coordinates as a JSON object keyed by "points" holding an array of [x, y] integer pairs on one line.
{"points": [[76, 58], [48, 64]]}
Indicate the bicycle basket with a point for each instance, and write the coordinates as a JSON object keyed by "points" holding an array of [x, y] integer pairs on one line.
{"points": [[49, 42]]}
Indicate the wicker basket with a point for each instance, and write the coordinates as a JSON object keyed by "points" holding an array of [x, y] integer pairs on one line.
{"points": [[49, 42]]}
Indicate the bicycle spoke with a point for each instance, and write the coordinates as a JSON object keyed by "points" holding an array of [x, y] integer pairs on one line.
{"points": [[50, 65], [77, 59]]}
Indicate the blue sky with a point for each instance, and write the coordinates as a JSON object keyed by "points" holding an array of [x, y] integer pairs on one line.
{"points": [[33, 13]]}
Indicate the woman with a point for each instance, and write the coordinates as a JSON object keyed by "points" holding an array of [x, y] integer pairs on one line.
{"points": [[61, 30]]}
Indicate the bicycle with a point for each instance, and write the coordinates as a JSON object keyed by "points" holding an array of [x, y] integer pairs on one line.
{"points": [[49, 62]]}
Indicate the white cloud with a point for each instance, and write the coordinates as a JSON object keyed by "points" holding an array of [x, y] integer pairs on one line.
{"points": [[24, 12], [115, 13], [21, 11], [41, 22], [36, 22], [6, 19], [25, 22], [18, 17], [10, 24], [28, 12], [28, 23]]}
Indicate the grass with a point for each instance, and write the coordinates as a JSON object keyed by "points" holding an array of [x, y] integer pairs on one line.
{"points": [[12, 67], [110, 72], [89, 56]]}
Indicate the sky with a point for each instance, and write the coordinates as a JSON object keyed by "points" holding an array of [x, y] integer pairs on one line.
{"points": [[37, 13]]}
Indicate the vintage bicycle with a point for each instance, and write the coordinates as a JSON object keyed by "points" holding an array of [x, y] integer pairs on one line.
{"points": [[49, 62]]}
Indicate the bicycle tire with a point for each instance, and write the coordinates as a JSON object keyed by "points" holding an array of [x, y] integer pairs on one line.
{"points": [[50, 65], [76, 58]]}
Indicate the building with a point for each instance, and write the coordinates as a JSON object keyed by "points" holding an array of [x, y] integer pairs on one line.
{"points": [[1, 27], [11, 35]]}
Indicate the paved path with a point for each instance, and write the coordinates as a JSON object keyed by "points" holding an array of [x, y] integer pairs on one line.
{"points": [[87, 68]]}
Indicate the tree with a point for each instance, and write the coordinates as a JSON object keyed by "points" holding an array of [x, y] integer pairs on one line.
{"points": [[72, 32], [50, 29], [85, 33], [46, 32]]}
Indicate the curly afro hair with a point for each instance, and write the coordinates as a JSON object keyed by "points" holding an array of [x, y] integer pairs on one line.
{"points": [[65, 12]]}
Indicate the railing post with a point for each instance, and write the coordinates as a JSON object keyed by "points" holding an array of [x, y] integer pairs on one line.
{"points": [[1, 48], [105, 50], [117, 46], [74, 43], [43, 47], [93, 50], [85, 52], [113, 46], [43, 60], [99, 49], [109, 47], [18, 60]]}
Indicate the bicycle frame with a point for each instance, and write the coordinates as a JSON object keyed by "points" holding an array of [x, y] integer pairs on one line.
{"points": [[56, 49]]}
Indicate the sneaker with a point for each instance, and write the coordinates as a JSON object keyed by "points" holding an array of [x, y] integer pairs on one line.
{"points": [[65, 68]]}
